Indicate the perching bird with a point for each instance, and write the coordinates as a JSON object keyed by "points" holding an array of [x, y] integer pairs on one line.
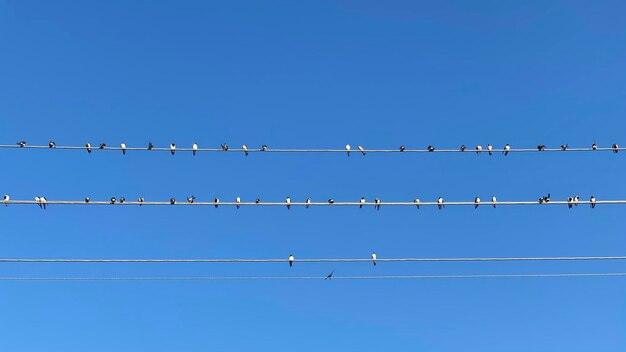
{"points": [[592, 202], [615, 148], [288, 202], [150, 146], [489, 148], [140, 200], [257, 201], [374, 258], [238, 202], [361, 202], [245, 149], [122, 200], [361, 149], [22, 144], [463, 147], [440, 204], [331, 201], [38, 201], [264, 147], [507, 149], [88, 147], [576, 200], [123, 146], [87, 200], [194, 148], [224, 147], [6, 200], [216, 202], [476, 202], [44, 201], [172, 148], [544, 199], [291, 260], [570, 200], [191, 199], [113, 200], [348, 149], [377, 203], [564, 147], [402, 148], [329, 276], [594, 146], [102, 146], [431, 148], [308, 202], [51, 144], [172, 201], [541, 147], [479, 148], [416, 201]]}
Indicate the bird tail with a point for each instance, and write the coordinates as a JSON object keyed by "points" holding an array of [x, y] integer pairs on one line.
{"points": [[194, 153], [246, 153]]}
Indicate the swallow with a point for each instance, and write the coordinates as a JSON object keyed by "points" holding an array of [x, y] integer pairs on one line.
{"points": [[238, 202], [22, 144], [150, 146], [489, 148], [257, 201], [329, 276], [264, 147], [615, 148], [88, 147], [463, 147], [564, 147], [507, 149], [308, 202], [52, 145], [594, 146], [541, 147], [476, 202], [87, 200], [123, 147], [290, 260], [191, 199], [361, 202], [416, 201], [331, 201], [592, 202], [6, 200], [576, 200], [44, 202], [431, 148], [113, 200], [402, 148], [440, 204], [140, 200], [172, 148], [38, 201], [245, 149], [361, 149], [194, 149], [494, 201], [479, 148], [216, 202], [377, 203], [569, 202], [374, 258], [224, 147], [172, 201], [288, 202], [102, 146], [348, 149], [122, 200]]}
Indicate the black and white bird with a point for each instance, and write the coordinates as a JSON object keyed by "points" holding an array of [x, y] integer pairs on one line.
{"points": [[431, 148], [150, 146], [194, 149], [191, 199], [507, 149], [489, 148], [291, 258], [494, 201], [541, 147], [38, 201], [264, 147], [463, 148], [51, 144], [102, 146], [6, 200], [402, 148], [216, 202], [122, 200], [329, 276], [257, 201], [44, 202], [361, 202], [479, 148], [87, 200], [594, 146], [615, 148], [374, 258], [308, 202], [416, 201], [545, 199], [113, 200], [476, 202], [22, 144], [440, 204], [238, 202], [348, 149], [377, 203], [564, 147], [88, 147], [576, 200], [288, 202], [123, 147], [245, 149], [570, 202], [331, 201], [172, 148], [360, 148], [172, 201], [592, 202], [140, 200], [224, 147]]}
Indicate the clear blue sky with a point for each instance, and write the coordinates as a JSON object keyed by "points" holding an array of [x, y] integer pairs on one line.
{"points": [[312, 74]]}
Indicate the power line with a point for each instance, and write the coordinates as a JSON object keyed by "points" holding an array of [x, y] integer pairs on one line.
{"points": [[323, 260], [284, 278]]}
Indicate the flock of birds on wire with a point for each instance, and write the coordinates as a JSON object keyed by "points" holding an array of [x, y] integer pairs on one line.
{"points": [[224, 147]]}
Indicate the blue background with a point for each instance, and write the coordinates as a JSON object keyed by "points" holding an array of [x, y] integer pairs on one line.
{"points": [[312, 74]]}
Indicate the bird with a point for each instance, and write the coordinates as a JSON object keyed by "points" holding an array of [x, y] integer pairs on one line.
{"points": [[224, 147], [402, 148], [463, 147], [576, 200], [238, 202], [544, 199], [44, 201], [172, 201], [331, 201], [102, 146], [507, 149], [569, 202], [479, 148], [564, 147], [150, 146], [38, 201], [6, 200], [194, 148], [361, 149], [264, 147], [615, 148], [191, 199], [348, 149], [88, 147], [172, 148], [594, 146], [329, 276], [245, 149], [440, 204], [431, 148], [288, 202], [51, 144], [257, 201], [374, 258], [416, 201], [113, 200], [291, 258], [377, 203], [476, 202], [489, 148], [22, 144], [592, 202], [87, 200], [216, 202], [308, 202], [494, 201], [361, 202], [122, 200], [541, 147], [140, 200], [123, 146]]}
